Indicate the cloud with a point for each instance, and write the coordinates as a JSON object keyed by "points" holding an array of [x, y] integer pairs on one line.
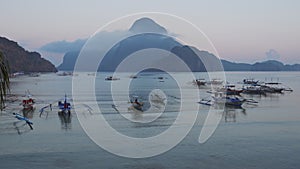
{"points": [[63, 46], [101, 41], [272, 55], [146, 25]]}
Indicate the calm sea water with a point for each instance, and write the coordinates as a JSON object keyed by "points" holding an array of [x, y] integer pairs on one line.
{"points": [[266, 135]]}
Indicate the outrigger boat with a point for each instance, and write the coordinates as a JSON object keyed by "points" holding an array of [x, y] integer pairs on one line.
{"points": [[266, 87], [230, 89], [216, 82], [254, 89], [64, 107], [250, 81], [65, 73], [28, 102], [199, 82], [275, 87], [221, 99], [136, 104]]}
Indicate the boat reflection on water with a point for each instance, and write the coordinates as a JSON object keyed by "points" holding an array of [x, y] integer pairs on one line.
{"points": [[268, 96], [21, 127], [136, 115], [65, 120], [230, 114], [28, 113], [11, 125]]}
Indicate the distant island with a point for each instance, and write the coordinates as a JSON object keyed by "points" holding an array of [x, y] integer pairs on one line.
{"points": [[20, 60], [146, 33], [269, 65]]}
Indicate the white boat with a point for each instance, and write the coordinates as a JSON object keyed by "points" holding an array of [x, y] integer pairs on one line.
{"points": [[216, 82], [230, 89], [254, 89], [199, 82], [275, 87], [250, 81], [220, 99]]}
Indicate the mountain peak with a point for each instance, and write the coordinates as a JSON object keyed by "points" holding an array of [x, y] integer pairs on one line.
{"points": [[147, 25]]}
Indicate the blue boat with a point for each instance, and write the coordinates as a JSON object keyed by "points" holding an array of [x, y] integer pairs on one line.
{"points": [[233, 101], [64, 106]]}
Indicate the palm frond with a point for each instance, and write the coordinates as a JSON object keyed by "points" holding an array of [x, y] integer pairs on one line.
{"points": [[4, 80]]}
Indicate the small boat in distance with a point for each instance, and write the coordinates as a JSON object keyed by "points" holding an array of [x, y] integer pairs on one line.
{"points": [[65, 73], [228, 89], [16, 74], [199, 82], [215, 82], [133, 76], [110, 78], [34, 74], [250, 81]]}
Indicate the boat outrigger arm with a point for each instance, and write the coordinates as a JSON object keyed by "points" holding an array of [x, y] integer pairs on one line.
{"points": [[22, 118]]}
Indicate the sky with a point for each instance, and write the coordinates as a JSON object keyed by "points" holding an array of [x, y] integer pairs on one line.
{"points": [[240, 30]]}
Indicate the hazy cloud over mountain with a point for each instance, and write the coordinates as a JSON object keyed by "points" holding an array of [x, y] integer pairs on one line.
{"points": [[63, 46], [141, 25], [272, 55]]}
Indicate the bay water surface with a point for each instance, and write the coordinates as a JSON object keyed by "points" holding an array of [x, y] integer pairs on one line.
{"points": [[266, 135]]}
